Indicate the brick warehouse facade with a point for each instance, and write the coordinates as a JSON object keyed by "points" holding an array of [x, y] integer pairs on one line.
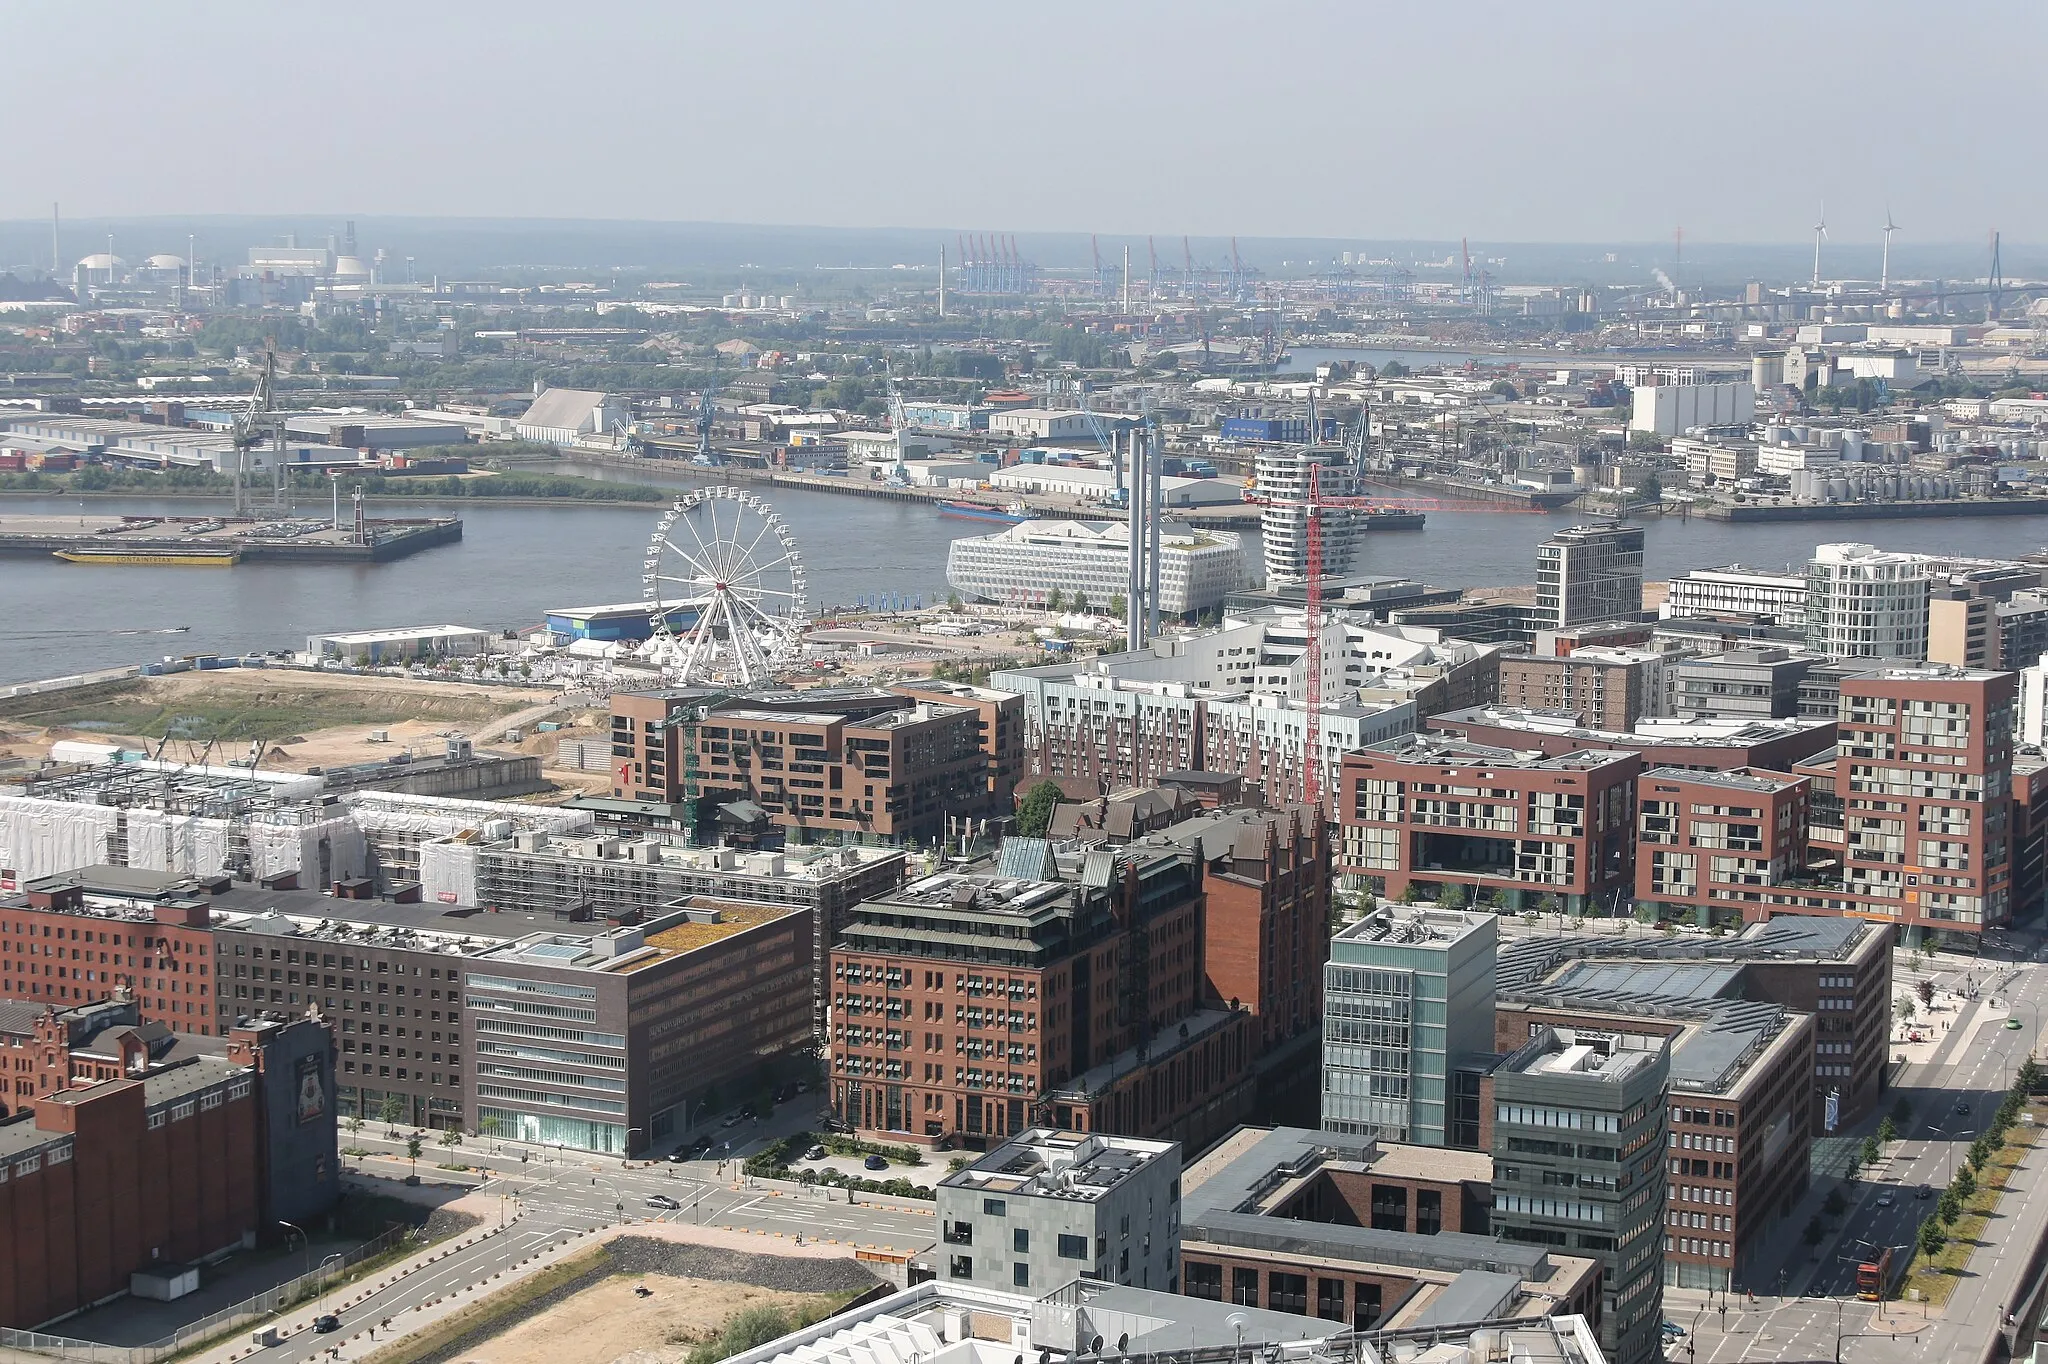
{"points": [[170, 1163], [967, 1007], [53, 952]]}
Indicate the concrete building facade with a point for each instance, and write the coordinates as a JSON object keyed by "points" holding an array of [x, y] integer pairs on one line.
{"points": [[1047, 1207]]}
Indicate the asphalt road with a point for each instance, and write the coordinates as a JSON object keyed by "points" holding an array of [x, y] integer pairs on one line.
{"points": [[1818, 1319]]}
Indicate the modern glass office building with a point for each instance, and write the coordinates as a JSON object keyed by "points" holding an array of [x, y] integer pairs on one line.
{"points": [[1407, 1001]]}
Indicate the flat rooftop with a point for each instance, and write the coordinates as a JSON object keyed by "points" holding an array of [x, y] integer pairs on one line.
{"points": [[732, 919], [1396, 925], [1743, 779], [1050, 1163], [1443, 750], [1662, 732]]}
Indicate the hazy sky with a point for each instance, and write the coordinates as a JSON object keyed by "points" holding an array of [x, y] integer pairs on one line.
{"points": [[1506, 121]]}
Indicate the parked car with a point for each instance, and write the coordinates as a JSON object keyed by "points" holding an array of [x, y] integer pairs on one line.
{"points": [[1673, 1331], [326, 1323], [875, 1163], [662, 1200], [815, 1153]]}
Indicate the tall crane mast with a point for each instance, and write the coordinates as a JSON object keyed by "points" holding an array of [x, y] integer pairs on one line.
{"points": [[707, 410], [254, 426]]}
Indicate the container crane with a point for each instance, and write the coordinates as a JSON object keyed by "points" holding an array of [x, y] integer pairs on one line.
{"points": [[899, 476], [254, 426], [707, 411]]}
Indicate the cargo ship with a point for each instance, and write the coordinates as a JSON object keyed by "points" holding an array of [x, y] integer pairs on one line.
{"points": [[172, 558], [1393, 518], [978, 511]]}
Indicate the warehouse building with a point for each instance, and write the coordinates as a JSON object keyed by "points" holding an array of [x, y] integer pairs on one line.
{"points": [[1028, 562], [152, 1150]]}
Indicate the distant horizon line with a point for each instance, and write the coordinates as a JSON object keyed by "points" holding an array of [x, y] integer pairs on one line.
{"points": [[41, 223]]}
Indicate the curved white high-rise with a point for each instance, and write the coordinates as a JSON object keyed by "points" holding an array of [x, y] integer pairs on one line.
{"points": [[1282, 474]]}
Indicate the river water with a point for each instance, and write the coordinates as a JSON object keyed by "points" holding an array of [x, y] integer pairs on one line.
{"points": [[516, 562]]}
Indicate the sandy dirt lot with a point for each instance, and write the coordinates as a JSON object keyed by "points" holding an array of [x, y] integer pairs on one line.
{"points": [[607, 1321], [304, 719]]}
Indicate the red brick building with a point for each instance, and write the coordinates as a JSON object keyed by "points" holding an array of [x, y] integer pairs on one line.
{"points": [[1430, 811], [1912, 821], [53, 950], [179, 1155], [873, 767], [1707, 841], [1703, 745], [1266, 928], [971, 1006], [1605, 688]]}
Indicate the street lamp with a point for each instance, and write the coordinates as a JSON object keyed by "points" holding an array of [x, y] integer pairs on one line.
{"points": [[1948, 1151], [305, 1245]]}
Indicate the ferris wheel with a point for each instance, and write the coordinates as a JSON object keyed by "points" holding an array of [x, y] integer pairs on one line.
{"points": [[724, 554]]}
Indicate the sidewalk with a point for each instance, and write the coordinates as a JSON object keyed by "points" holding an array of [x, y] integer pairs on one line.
{"points": [[300, 1319], [358, 1344]]}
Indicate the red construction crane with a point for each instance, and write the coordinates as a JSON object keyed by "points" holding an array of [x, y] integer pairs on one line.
{"points": [[1314, 506]]}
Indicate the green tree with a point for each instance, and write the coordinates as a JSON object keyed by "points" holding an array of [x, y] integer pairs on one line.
{"points": [[1411, 894], [1814, 1231], [1965, 1184], [392, 1111], [1034, 814], [1080, 602], [1950, 1207], [1645, 440], [953, 602], [1117, 606], [1902, 1112], [1925, 990], [1931, 1238], [1055, 599], [1888, 1130], [412, 1152], [1870, 1151], [1834, 1205], [452, 1138], [1451, 896], [1904, 1007], [1650, 487], [491, 1126]]}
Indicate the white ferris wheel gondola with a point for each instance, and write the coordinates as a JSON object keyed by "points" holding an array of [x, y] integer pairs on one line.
{"points": [[726, 555]]}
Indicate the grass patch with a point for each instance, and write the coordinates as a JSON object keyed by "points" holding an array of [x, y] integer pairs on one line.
{"points": [[481, 1319], [752, 1327], [150, 709], [1935, 1276]]}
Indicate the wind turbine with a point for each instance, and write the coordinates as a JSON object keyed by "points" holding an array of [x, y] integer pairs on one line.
{"points": [[1820, 232], [1885, 273]]}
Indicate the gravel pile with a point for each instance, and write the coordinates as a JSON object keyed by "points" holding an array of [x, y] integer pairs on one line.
{"points": [[784, 1273]]}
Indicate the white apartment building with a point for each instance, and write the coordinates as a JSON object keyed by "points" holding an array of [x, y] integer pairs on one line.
{"points": [[1266, 739], [1589, 574], [1865, 602], [1283, 478], [1738, 591], [1029, 561]]}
